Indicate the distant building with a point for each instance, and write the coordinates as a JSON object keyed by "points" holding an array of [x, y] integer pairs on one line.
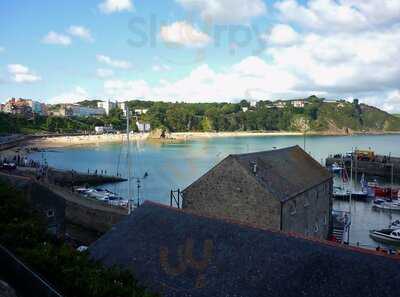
{"points": [[124, 107], [282, 189], [279, 104], [104, 129], [19, 106], [299, 103], [141, 111], [82, 111], [72, 110], [245, 109], [107, 106], [143, 127]]}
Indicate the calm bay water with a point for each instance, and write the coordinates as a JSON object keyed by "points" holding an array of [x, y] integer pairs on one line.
{"points": [[173, 166]]}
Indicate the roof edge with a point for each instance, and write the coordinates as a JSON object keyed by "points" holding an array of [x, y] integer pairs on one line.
{"points": [[289, 234]]}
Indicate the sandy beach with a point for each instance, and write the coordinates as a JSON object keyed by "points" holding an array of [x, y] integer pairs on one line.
{"points": [[66, 141], [85, 140]]}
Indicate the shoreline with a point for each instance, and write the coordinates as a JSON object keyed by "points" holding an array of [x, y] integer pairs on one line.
{"points": [[49, 142]]}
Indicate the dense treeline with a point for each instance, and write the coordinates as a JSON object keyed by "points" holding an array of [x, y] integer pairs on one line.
{"points": [[23, 231], [316, 115]]}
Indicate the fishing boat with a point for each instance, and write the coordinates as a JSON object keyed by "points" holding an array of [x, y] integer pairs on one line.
{"points": [[388, 236], [386, 192]]}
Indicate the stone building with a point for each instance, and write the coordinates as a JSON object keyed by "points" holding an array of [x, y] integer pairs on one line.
{"points": [[283, 189], [177, 253]]}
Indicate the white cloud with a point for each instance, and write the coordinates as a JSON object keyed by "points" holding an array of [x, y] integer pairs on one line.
{"points": [[391, 102], [104, 73], [110, 6], [81, 32], [57, 38], [161, 68], [2, 49], [75, 95], [362, 65], [184, 34], [343, 15], [113, 63], [282, 34], [22, 74], [252, 76], [226, 11]]}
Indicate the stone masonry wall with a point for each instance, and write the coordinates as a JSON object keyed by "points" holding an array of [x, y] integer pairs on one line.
{"points": [[228, 191], [309, 213]]}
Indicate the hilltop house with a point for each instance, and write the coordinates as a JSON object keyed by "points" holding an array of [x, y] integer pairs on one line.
{"points": [[282, 189]]}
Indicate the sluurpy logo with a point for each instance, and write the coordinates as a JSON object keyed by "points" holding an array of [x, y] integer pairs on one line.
{"points": [[197, 36]]}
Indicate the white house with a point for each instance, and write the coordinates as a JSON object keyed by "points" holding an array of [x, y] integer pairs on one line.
{"points": [[107, 106]]}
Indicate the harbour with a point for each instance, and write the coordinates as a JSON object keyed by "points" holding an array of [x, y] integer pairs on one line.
{"points": [[173, 166]]}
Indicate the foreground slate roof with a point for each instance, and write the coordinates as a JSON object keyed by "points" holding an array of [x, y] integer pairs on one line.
{"points": [[285, 172], [177, 253]]}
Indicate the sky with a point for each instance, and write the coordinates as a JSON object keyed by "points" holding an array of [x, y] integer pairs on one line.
{"points": [[201, 50]]}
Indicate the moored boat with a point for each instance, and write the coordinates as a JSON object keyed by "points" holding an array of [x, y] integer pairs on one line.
{"points": [[386, 205], [395, 225], [388, 236], [355, 195]]}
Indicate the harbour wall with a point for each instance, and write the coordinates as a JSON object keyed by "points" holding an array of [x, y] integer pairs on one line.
{"points": [[62, 206], [369, 168]]}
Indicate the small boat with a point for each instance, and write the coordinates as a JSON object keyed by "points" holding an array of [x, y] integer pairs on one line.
{"points": [[388, 236], [355, 195], [335, 168], [395, 225], [386, 205]]}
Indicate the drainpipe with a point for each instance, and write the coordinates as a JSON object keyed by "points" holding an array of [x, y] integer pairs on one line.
{"points": [[281, 223]]}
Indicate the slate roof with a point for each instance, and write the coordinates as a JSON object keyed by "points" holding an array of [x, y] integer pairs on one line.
{"points": [[164, 247], [285, 172]]}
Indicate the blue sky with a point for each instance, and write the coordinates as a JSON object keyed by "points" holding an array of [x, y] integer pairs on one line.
{"points": [[198, 50]]}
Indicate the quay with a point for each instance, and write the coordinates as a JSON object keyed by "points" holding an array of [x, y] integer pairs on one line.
{"points": [[66, 211], [372, 165]]}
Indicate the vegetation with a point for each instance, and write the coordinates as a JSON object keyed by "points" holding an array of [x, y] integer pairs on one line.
{"points": [[316, 115], [23, 231]]}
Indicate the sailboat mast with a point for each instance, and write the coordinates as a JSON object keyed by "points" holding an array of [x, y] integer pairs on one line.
{"points": [[351, 179], [129, 160]]}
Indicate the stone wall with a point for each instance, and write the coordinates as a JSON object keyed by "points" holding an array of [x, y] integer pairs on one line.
{"points": [[92, 218], [51, 206], [228, 191], [310, 212], [60, 206]]}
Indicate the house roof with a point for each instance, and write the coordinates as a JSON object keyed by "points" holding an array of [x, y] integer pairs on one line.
{"points": [[285, 172], [178, 253]]}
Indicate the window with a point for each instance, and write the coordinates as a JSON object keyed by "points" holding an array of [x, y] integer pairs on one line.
{"points": [[293, 208]]}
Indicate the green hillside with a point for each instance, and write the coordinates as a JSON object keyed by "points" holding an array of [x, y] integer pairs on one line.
{"points": [[317, 115]]}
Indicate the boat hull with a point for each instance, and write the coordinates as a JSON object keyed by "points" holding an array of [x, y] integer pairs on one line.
{"points": [[383, 238]]}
